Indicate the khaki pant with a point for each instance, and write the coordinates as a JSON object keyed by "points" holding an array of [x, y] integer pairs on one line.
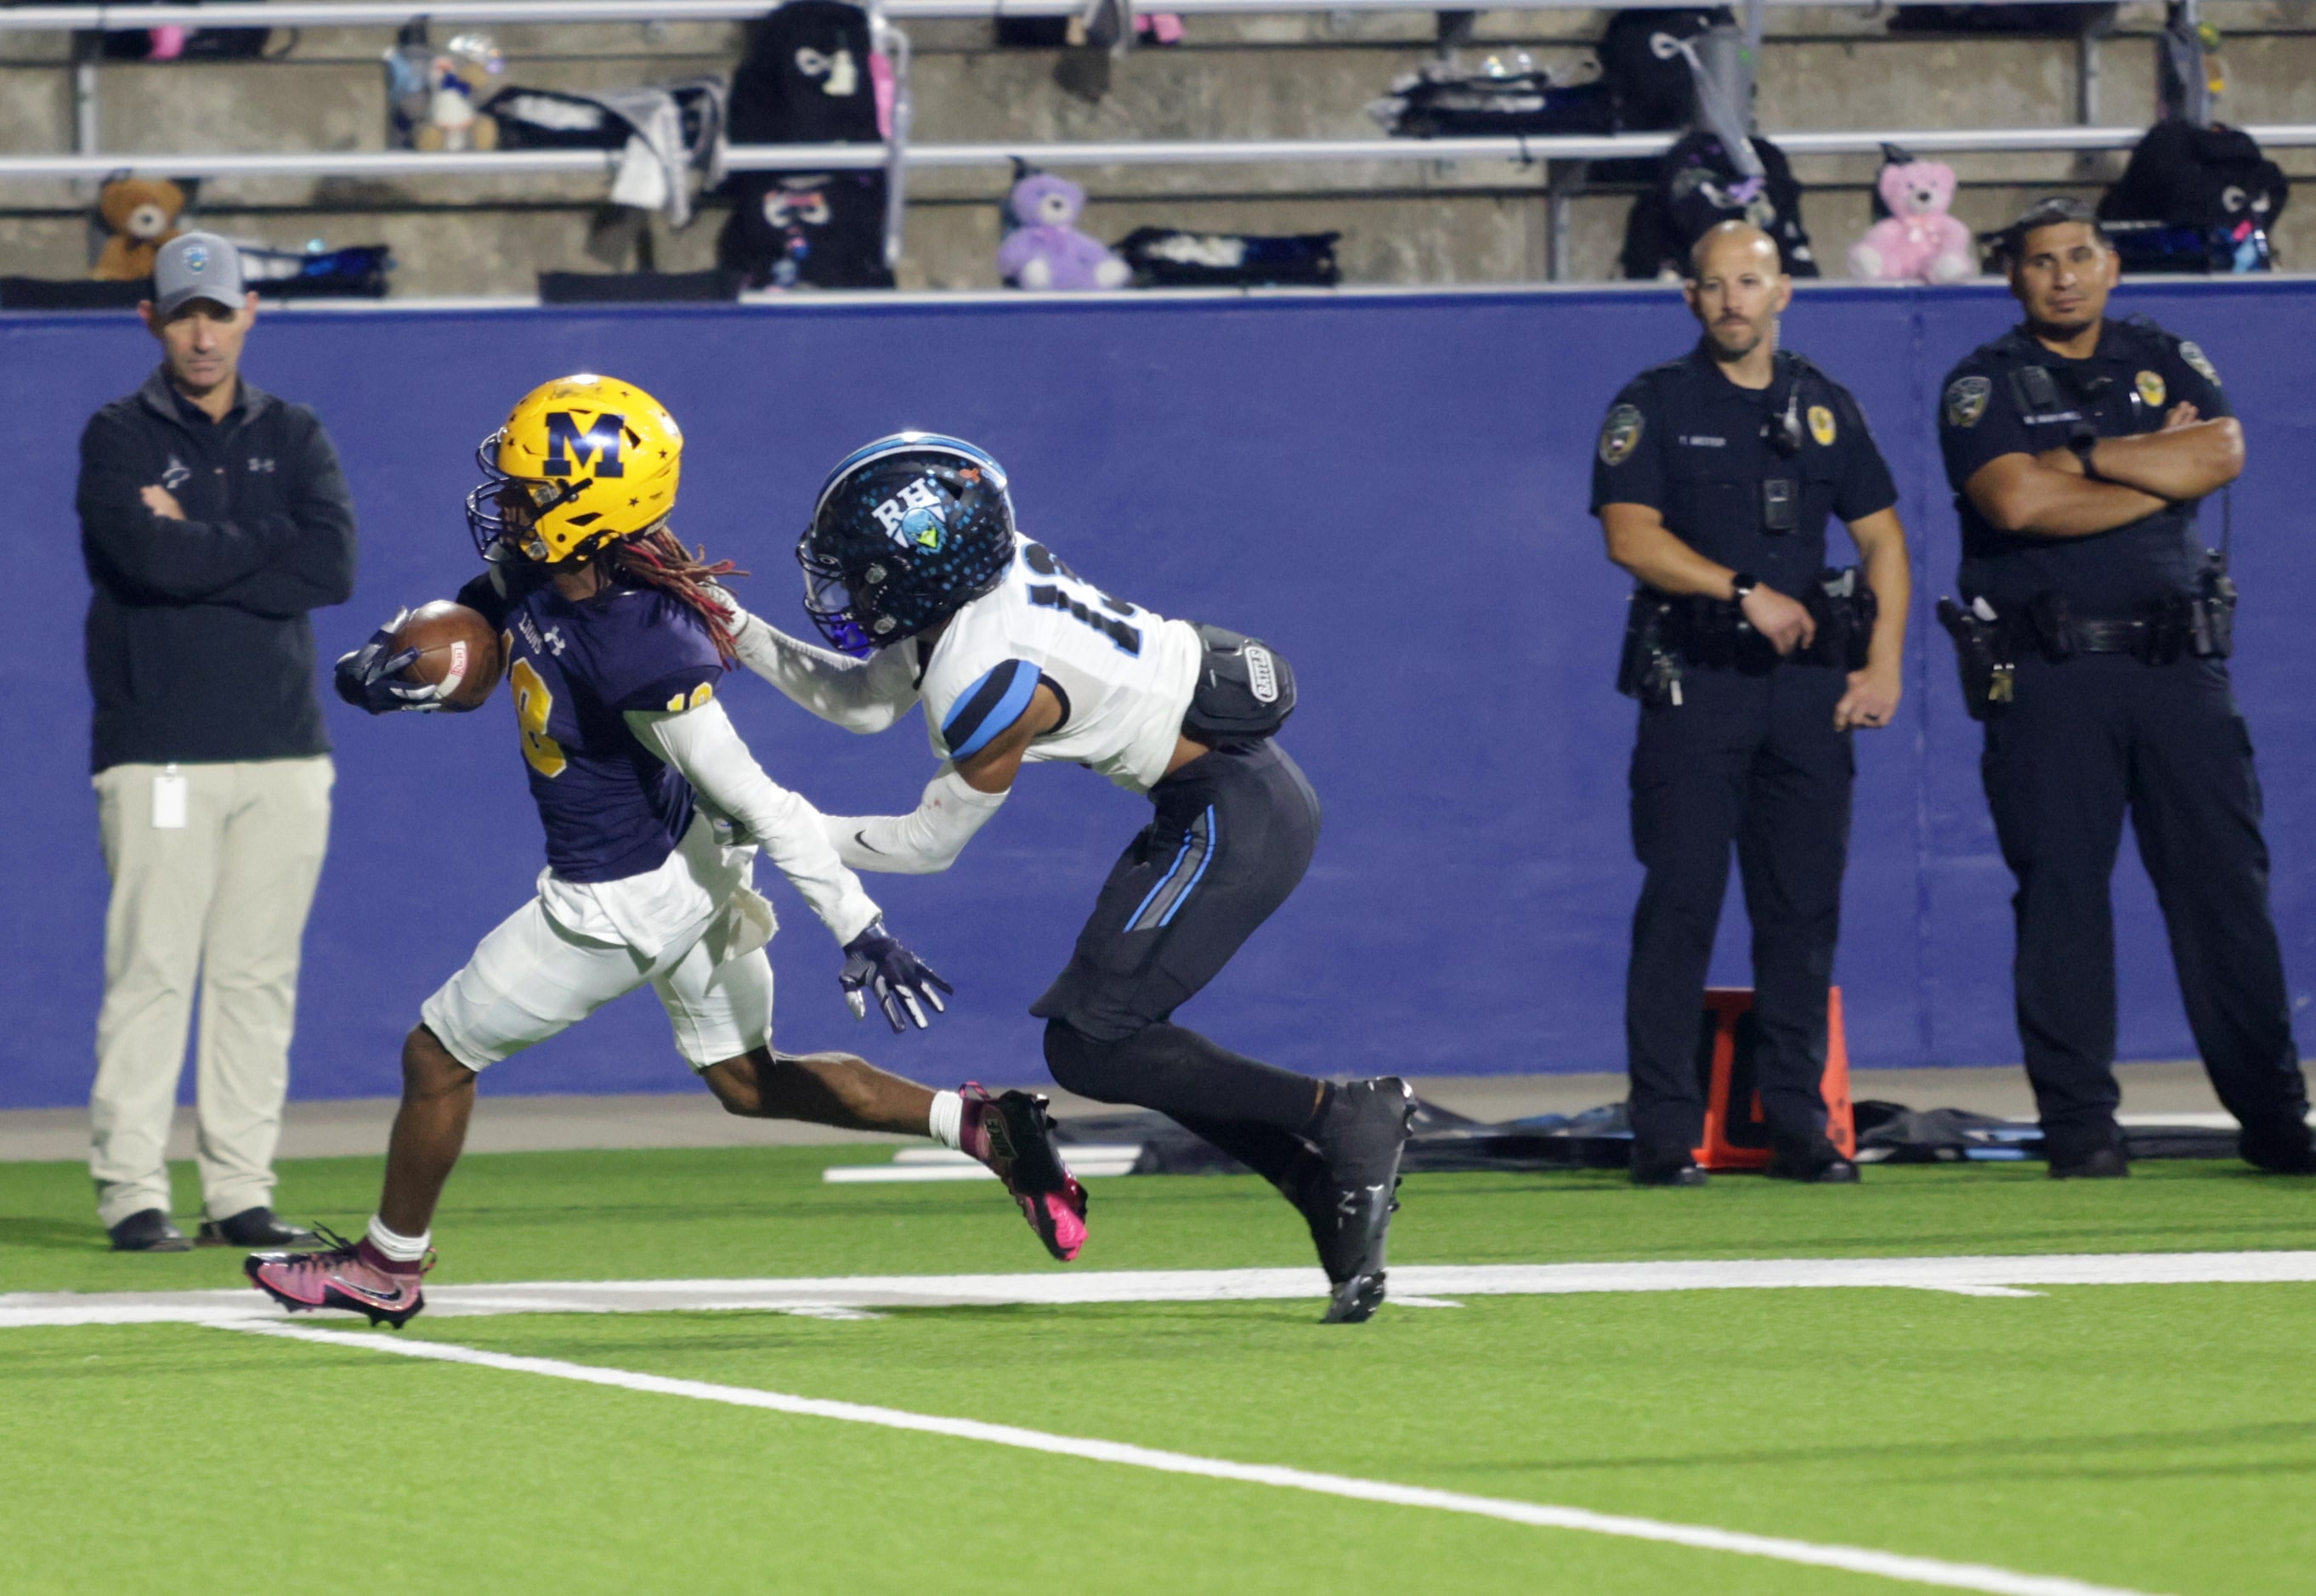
{"points": [[222, 898]]}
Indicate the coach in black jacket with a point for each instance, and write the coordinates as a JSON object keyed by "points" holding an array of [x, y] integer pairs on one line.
{"points": [[213, 517]]}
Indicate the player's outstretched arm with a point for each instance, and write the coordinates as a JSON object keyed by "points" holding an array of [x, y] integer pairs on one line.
{"points": [[707, 751], [860, 695], [957, 803], [923, 842]]}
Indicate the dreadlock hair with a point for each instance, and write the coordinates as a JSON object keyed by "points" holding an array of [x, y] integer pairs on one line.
{"points": [[656, 560]]}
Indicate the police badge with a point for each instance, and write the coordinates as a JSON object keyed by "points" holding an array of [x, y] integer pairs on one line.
{"points": [[2193, 353], [2151, 391], [1966, 399], [1821, 422], [1620, 435]]}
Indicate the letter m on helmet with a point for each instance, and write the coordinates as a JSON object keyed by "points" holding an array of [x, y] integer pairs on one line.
{"points": [[569, 447]]}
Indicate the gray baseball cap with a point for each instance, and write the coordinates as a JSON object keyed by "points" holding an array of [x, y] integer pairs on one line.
{"points": [[196, 266]]}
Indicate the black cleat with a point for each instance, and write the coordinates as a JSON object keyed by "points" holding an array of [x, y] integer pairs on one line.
{"points": [[1360, 1136], [2100, 1164], [254, 1227], [1355, 1300], [148, 1230]]}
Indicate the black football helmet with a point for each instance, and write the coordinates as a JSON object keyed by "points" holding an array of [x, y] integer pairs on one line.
{"points": [[908, 530]]}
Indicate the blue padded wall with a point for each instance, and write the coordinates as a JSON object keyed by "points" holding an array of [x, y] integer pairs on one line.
{"points": [[1389, 487]]}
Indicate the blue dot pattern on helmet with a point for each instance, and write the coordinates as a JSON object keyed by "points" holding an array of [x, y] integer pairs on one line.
{"points": [[908, 530]]}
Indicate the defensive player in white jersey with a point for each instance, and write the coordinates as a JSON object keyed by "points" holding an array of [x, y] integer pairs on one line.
{"points": [[916, 575], [615, 636]]}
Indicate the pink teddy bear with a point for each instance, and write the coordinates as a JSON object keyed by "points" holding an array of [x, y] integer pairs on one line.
{"points": [[1918, 241]]}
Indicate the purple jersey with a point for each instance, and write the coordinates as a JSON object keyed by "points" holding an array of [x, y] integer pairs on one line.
{"points": [[610, 808]]}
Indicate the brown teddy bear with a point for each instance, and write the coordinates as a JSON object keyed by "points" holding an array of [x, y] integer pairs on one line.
{"points": [[142, 214]]}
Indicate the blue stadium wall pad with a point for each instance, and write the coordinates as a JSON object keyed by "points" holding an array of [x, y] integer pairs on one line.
{"points": [[1389, 487]]}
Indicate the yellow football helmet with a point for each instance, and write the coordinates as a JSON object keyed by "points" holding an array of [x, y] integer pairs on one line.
{"points": [[582, 462]]}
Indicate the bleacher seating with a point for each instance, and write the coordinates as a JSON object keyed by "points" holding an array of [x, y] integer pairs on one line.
{"points": [[1300, 76]]}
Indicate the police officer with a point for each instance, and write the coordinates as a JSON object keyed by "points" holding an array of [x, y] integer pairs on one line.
{"points": [[2093, 640], [1715, 474]]}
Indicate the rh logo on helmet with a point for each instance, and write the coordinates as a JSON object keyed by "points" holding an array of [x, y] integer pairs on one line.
{"points": [[914, 519], [570, 446]]}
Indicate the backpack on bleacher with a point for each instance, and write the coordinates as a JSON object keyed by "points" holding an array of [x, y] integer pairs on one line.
{"points": [[2213, 182], [805, 77], [1697, 187], [806, 229], [1653, 92]]}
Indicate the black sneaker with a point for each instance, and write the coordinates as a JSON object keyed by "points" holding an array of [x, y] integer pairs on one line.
{"points": [[148, 1231], [2100, 1164], [1666, 1169], [1361, 1135], [1817, 1162], [254, 1227]]}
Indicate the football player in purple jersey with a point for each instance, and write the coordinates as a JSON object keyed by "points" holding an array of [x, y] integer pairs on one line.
{"points": [[615, 637]]}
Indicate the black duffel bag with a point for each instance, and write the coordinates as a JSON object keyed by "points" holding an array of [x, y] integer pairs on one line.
{"points": [[1169, 257]]}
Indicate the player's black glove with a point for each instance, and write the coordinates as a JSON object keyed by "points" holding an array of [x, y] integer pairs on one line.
{"points": [[370, 677], [875, 961]]}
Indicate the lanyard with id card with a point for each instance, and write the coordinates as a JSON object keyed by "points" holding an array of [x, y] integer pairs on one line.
{"points": [[170, 795]]}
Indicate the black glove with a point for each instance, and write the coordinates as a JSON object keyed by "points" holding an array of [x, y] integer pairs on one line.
{"points": [[875, 960], [367, 678]]}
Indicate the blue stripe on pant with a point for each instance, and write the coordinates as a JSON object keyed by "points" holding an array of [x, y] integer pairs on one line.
{"points": [[1233, 835]]}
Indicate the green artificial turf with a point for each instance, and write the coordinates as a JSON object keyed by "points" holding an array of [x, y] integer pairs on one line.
{"points": [[737, 1212], [2156, 1439]]}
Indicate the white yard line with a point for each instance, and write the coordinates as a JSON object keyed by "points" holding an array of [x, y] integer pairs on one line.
{"points": [[1889, 1566], [1990, 1277]]}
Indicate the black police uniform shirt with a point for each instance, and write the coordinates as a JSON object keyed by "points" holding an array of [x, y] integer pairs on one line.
{"points": [[1690, 444], [1992, 404], [575, 667]]}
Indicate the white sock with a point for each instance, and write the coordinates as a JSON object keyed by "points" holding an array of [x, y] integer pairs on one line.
{"points": [[946, 1121], [402, 1248]]}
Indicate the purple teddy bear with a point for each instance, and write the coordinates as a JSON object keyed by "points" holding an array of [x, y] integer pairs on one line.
{"points": [[1047, 251]]}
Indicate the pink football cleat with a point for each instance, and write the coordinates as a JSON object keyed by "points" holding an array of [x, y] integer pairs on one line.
{"points": [[1012, 1133], [352, 1275]]}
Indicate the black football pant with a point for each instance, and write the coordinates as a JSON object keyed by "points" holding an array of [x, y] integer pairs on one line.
{"points": [[1232, 835], [1751, 759], [2083, 741]]}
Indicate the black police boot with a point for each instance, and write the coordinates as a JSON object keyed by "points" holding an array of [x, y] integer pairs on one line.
{"points": [[1653, 1166], [148, 1231], [1816, 1162], [2285, 1149], [2100, 1164], [254, 1227]]}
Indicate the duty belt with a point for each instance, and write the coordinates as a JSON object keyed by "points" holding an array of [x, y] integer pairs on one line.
{"points": [[2137, 635]]}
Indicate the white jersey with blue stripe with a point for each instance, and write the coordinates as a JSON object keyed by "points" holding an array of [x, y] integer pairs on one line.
{"points": [[1123, 675]]}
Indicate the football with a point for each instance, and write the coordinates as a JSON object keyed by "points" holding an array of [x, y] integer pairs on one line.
{"points": [[457, 651]]}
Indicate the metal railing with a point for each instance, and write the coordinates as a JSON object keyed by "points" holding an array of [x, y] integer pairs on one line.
{"points": [[393, 13], [823, 157]]}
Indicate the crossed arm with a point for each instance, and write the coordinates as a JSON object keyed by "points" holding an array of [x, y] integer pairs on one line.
{"points": [[2048, 496], [278, 565]]}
